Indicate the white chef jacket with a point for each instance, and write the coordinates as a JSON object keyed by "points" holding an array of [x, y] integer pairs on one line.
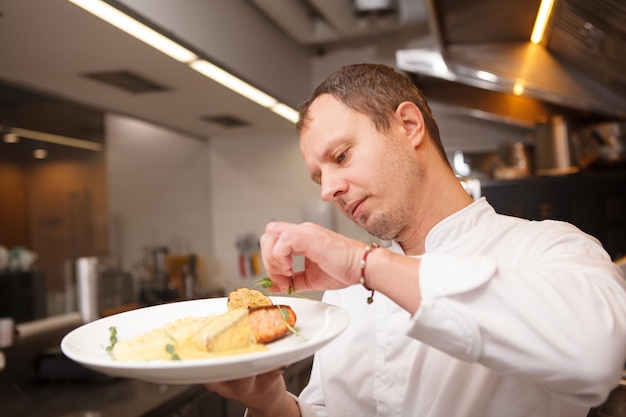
{"points": [[518, 318]]}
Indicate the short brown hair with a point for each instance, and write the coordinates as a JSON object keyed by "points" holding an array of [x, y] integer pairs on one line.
{"points": [[376, 91]]}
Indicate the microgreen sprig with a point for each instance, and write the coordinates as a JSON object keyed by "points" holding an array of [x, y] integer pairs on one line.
{"points": [[267, 282], [264, 283], [285, 313], [112, 339]]}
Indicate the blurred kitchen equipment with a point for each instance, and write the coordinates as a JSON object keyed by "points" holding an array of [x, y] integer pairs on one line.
{"points": [[554, 154], [157, 287], [36, 328], [472, 186], [87, 278], [21, 259], [249, 255], [190, 277], [4, 258], [161, 277], [479, 165], [7, 331], [515, 162], [601, 146], [115, 290]]}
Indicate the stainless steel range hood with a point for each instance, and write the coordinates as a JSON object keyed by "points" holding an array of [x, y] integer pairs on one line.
{"points": [[485, 44]]}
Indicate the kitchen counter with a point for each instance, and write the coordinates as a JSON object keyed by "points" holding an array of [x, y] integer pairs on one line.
{"points": [[115, 398], [37, 379]]}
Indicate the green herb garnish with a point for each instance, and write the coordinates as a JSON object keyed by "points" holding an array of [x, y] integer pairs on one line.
{"points": [[169, 348], [267, 283], [112, 339], [285, 313], [264, 282]]}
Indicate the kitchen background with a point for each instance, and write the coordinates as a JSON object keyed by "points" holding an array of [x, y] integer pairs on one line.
{"points": [[199, 170], [165, 176]]}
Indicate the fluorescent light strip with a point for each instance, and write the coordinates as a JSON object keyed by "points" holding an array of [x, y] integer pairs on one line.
{"points": [[285, 111], [229, 80], [137, 29], [487, 76], [542, 20], [142, 32], [58, 139]]}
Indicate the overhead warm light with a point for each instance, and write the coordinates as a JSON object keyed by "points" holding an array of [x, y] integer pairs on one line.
{"points": [[518, 88], [542, 20], [11, 138], [137, 29], [40, 154], [285, 111], [230, 81]]}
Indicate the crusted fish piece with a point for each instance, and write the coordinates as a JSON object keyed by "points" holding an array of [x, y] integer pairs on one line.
{"points": [[270, 323], [247, 298]]}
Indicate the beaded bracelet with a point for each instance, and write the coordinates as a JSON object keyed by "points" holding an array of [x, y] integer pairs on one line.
{"points": [[366, 252]]}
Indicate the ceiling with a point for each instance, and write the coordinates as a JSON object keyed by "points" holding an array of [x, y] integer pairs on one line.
{"points": [[54, 48], [49, 48], [578, 66]]}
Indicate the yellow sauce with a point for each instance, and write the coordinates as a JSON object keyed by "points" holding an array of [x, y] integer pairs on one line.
{"points": [[174, 341]]}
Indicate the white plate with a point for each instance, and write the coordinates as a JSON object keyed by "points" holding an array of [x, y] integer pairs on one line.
{"points": [[317, 322]]}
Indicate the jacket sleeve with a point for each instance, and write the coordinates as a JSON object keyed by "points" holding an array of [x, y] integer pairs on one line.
{"points": [[555, 312]]}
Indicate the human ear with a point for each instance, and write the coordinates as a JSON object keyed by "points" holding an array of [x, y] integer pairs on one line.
{"points": [[412, 122]]}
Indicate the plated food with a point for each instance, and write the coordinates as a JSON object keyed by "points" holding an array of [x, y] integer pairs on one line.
{"points": [[318, 324], [250, 322]]}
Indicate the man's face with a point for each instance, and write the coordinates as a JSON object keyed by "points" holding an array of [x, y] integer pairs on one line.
{"points": [[370, 176]]}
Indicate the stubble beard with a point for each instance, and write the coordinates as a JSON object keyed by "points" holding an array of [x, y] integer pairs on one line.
{"points": [[391, 219]]}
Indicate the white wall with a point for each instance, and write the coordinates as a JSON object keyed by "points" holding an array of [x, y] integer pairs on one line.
{"points": [[159, 194], [255, 180]]}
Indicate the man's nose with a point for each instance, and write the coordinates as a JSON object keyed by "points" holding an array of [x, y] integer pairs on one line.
{"points": [[332, 189]]}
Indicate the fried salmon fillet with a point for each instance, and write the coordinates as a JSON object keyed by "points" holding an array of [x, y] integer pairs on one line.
{"points": [[270, 323]]}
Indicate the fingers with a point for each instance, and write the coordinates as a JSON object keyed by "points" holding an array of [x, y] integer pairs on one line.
{"points": [[231, 389], [277, 256], [280, 243], [253, 390], [331, 260]]}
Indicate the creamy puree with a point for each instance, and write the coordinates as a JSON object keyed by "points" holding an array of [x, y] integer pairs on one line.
{"points": [[180, 334]]}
